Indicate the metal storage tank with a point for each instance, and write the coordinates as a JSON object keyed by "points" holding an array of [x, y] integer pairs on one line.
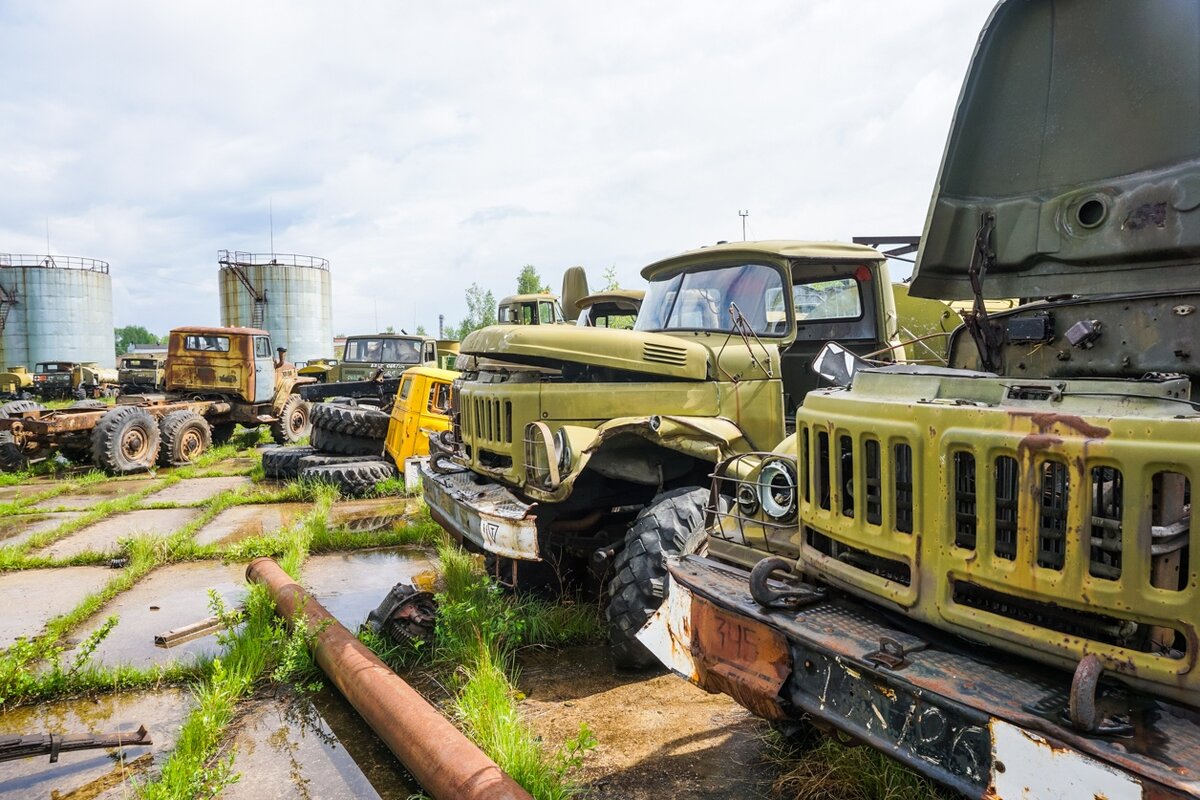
{"points": [[55, 308], [288, 295]]}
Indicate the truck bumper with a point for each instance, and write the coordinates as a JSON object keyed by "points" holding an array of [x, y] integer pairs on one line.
{"points": [[485, 514], [987, 728]]}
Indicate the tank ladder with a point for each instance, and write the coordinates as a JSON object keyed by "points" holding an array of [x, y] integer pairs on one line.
{"points": [[8, 299], [259, 312]]}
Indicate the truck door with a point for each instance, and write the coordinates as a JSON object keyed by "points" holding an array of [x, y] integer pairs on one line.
{"points": [[264, 370]]}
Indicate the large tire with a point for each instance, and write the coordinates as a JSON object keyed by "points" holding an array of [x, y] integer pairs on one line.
{"points": [[12, 458], [185, 436], [352, 478], [125, 440], [89, 404], [19, 406], [361, 421], [283, 463], [638, 584], [343, 444], [292, 424]]}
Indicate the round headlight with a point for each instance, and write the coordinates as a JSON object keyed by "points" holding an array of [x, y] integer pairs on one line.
{"points": [[777, 490]]}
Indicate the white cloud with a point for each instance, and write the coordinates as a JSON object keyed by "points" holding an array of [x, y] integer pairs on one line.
{"points": [[421, 147]]}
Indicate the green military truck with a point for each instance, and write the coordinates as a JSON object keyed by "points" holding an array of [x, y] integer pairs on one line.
{"points": [[370, 367], [142, 372], [58, 380], [580, 444], [988, 570]]}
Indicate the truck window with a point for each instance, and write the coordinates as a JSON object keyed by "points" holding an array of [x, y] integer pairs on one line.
{"points": [[439, 398], [840, 298], [405, 388], [195, 341], [430, 351], [545, 313], [262, 347], [700, 300]]}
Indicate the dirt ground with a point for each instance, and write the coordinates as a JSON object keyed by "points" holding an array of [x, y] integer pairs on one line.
{"points": [[657, 735]]}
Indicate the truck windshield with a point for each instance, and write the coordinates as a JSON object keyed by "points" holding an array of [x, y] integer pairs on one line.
{"points": [[383, 351], [699, 301], [139, 363], [51, 368]]}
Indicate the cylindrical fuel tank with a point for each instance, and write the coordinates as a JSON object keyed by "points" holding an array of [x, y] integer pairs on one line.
{"points": [[287, 295], [55, 308]]}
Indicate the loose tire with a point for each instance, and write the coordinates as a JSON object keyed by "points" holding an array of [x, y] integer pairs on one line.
{"points": [[292, 424], [89, 404], [353, 478], [125, 440], [222, 432], [19, 406], [361, 421], [283, 463], [637, 587], [185, 436], [344, 444]]}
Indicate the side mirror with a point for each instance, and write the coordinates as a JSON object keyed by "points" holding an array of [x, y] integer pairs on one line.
{"points": [[838, 365]]}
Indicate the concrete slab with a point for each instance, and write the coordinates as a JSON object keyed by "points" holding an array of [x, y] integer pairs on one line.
{"points": [[102, 537], [242, 522], [193, 491], [41, 594], [94, 773], [35, 486], [170, 597], [90, 496], [350, 585], [18, 529], [299, 748], [233, 466]]}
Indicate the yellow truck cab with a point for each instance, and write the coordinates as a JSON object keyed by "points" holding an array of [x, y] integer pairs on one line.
{"points": [[422, 407]]}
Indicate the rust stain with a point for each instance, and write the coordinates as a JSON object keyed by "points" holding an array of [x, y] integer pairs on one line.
{"points": [[740, 657], [1045, 421]]}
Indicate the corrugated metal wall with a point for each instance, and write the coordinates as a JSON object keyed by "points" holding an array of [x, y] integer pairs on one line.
{"points": [[298, 311], [63, 311]]}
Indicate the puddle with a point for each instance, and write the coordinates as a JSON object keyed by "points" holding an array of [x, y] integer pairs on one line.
{"points": [[350, 585], [102, 537], [372, 515], [20, 528], [42, 594], [93, 773], [313, 746], [242, 522], [90, 496], [232, 466], [171, 597], [35, 486], [192, 491]]}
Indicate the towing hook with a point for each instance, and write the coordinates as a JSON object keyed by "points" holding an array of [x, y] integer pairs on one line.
{"points": [[1081, 707], [763, 594]]}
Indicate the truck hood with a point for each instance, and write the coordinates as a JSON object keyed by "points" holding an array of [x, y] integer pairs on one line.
{"points": [[651, 353], [1078, 126]]}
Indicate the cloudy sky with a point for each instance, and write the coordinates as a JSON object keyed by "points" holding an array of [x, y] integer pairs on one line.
{"points": [[420, 147]]}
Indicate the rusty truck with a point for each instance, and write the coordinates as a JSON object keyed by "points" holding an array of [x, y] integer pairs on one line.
{"points": [[987, 570], [216, 378]]}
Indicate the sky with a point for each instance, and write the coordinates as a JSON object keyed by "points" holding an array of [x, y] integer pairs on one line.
{"points": [[421, 147]]}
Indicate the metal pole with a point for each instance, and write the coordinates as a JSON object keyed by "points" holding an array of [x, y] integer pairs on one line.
{"points": [[440, 757], [743, 215]]}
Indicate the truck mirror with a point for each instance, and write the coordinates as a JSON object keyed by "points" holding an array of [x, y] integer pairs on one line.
{"points": [[838, 365]]}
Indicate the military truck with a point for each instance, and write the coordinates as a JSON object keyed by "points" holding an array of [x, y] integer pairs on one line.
{"points": [[988, 570], [15, 381], [545, 308], [57, 380], [216, 378], [576, 444], [142, 372], [370, 367]]}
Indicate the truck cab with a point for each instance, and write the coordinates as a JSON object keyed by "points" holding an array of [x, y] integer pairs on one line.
{"points": [[530, 309], [421, 408], [139, 372], [236, 362], [364, 356]]}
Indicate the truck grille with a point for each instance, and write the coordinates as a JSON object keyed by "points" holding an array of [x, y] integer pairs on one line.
{"points": [[487, 420]]}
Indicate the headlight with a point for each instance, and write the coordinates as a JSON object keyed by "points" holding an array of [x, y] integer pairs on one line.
{"points": [[747, 499], [777, 490]]}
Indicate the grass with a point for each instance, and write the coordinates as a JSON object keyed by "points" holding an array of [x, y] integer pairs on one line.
{"points": [[819, 767]]}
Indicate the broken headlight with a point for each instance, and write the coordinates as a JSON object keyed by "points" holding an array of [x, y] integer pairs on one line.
{"points": [[777, 490]]}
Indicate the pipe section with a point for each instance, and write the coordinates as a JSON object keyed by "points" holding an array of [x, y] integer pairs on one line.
{"points": [[440, 757]]}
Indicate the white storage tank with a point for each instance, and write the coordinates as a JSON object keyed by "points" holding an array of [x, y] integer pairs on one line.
{"points": [[287, 295], [55, 308]]}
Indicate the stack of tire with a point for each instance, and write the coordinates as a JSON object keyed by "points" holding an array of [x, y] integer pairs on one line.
{"points": [[346, 450]]}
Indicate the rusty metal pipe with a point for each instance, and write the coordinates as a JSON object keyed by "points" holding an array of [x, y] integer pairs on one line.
{"points": [[440, 757]]}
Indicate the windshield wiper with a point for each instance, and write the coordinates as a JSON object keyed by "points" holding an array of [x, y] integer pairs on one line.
{"points": [[742, 328]]}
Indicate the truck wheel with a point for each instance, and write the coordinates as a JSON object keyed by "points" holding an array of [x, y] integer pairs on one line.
{"points": [[353, 478], [369, 423], [344, 444], [222, 432], [125, 440], [19, 407], [292, 424], [283, 463], [637, 587], [185, 436], [12, 458]]}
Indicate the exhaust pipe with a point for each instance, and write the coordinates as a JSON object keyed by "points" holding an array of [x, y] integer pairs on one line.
{"points": [[440, 757]]}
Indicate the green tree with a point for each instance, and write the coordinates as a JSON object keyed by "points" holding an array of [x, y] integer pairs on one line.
{"points": [[529, 282], [481, 312], [421, 331], [134, 334], [610, 279]]}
